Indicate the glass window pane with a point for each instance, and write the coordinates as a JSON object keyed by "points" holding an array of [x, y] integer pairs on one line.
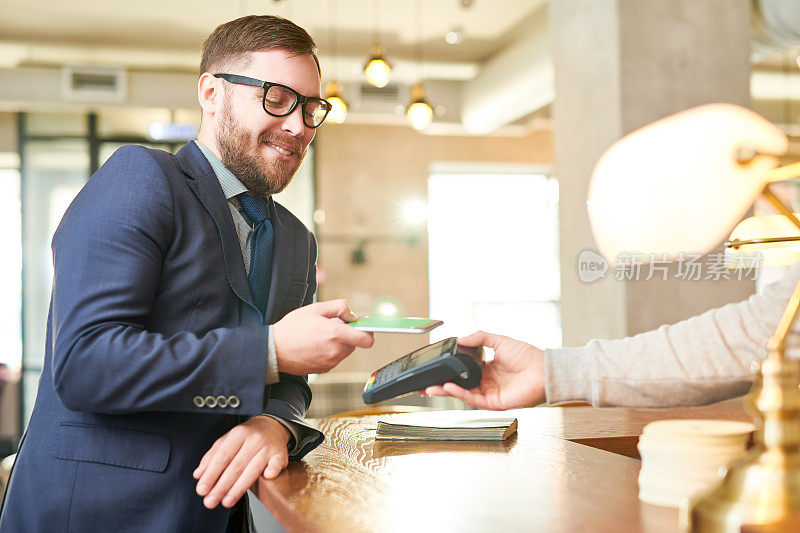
{"points": [[30, 385], [10, 269], [8, 137], [299, 196], [54, 173], [538, 323], [157, 124], [493, 255], [107, 149], [129, 122], [185, 116], [56, 124]]}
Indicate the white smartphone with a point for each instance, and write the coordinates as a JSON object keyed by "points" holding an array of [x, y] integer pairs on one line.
{"points": [[393, 324]]}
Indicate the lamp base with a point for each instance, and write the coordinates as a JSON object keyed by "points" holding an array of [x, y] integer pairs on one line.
{"points": [[760, 491]]}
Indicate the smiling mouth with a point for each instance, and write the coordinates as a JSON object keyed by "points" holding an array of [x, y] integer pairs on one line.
{"points": [[282, 151]]}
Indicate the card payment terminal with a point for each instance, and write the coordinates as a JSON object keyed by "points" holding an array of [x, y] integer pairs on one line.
{"points": [[434, 364]]}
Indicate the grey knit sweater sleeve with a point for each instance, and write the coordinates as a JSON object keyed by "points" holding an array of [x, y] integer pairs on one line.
{"points": [[701, 360]]}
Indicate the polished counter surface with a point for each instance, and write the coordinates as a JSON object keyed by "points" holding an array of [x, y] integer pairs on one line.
{"points": [[567, 469]]}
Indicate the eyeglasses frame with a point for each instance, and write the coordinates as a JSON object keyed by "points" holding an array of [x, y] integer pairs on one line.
{"points": [[299, 101]]}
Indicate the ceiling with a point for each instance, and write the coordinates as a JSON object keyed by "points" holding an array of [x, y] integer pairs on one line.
{"points": [[498, 36], [348, 26]]}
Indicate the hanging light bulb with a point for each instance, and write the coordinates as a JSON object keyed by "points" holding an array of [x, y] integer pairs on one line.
{"points": [[419, 111], [338, 113], [377, 69], [333, 94], [420, 115], [333, 89]]}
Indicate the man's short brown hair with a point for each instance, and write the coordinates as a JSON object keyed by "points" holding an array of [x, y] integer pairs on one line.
{"points": [[229, 43]]}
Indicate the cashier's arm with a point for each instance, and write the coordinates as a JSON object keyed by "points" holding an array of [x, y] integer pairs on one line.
{"points": [[514, 378]]}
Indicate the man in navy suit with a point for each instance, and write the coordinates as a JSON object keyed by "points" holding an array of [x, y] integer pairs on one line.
{"points": [[173, 377]]}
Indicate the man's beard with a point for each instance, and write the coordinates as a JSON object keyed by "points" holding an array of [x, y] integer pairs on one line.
{"points": [[243, 156]]}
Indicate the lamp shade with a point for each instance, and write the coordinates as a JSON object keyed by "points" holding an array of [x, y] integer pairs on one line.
{"points": [[377, 69], [419, 111], [676, 185], [769, 228], [420, 114], [338, 113], [333, 94]]}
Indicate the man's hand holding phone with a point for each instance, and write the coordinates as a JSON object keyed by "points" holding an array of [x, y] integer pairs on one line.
{"points": [[315, 338]]}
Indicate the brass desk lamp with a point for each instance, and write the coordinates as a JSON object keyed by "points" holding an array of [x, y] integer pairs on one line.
{"points": [[764, 240], [679, 185]]}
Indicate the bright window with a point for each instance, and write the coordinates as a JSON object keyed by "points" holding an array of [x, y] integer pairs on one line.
{"points": [[493, 255], [10, 269], [55, 171]]}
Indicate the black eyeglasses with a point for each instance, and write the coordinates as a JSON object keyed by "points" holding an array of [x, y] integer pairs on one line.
{"points": [[280, 100]]}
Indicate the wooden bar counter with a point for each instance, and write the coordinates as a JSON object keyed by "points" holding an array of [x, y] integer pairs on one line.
{"points": [[567, 469]]}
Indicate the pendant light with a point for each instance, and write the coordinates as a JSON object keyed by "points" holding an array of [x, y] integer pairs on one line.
{"points": [[419, 111], [333, 92], [377, 68], [333, 89]]}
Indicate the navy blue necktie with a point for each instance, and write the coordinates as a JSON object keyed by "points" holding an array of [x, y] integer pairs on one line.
{"points": [[257, 212]]}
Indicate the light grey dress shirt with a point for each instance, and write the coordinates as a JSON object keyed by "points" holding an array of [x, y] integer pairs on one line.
{"points": [[232, 187]]}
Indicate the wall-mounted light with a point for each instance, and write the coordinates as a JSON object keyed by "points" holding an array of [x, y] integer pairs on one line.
{"points": [[357, 245], [415, 212], [387, 305], [333, 94], [387, 309], [358, 256], [419, 111], [454, 36]]}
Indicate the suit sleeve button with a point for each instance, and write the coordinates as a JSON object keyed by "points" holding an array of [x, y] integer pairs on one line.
{"points": [[211, 401], [222, 401], [199, 401], [233, 401]]}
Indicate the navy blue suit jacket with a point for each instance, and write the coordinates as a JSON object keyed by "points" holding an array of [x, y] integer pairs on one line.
{"points": [[150, 309]]}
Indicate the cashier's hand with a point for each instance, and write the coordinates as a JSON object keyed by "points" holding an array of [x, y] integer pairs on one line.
{"points": [[236, 460], [515, 378], [315, 338]]}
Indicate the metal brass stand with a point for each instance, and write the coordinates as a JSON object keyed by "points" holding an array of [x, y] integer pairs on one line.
{"points": [[761, 491]]}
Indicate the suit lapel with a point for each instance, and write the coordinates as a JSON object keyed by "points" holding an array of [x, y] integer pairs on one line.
{"points": [[206, 186]]}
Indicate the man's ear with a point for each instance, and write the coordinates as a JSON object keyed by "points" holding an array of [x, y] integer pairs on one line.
{"points": [[209, 93]]}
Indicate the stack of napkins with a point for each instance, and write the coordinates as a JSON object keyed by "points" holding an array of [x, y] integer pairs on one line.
{"points": [[683, 457], [464, 429]]}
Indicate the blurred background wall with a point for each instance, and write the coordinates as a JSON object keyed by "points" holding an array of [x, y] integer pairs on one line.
{"points": [[477, 218]]}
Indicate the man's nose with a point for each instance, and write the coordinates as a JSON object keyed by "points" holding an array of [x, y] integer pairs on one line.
{"points": [[293, 122]]}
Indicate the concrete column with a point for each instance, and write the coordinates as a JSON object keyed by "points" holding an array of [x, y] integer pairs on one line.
{"points": [[8, 132], [620, 64]]}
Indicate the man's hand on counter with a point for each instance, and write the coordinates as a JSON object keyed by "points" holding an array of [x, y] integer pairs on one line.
{"points": [[236, 460]]}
